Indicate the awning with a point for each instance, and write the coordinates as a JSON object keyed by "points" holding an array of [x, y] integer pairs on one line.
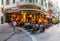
{"points": [[17, 10]]}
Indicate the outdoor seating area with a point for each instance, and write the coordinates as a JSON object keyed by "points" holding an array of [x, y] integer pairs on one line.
{"points": [[36, 27], [32, 21]]}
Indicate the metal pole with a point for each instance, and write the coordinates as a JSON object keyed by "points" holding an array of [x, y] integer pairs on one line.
{"points": [[3, 12], [58, 19]]}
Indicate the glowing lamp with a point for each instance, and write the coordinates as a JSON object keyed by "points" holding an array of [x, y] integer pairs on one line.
{"points": [[21, 19], [39, 20], [47, 16], [30, 16]]}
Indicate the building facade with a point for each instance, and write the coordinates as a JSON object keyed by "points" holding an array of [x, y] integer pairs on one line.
{"points": [[23, 6]]}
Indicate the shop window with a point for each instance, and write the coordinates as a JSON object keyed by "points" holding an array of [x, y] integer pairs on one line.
{"points": [[26, 1], [41, 2], [36, 1], [8, 17], [16, 16], [45, 4], [33, 1], [1, 1], [7, 2], [30, 1], [13, 1], [21, 0]]}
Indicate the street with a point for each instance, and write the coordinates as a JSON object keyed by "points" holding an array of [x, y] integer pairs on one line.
{"points": [[50, 34], [29, 20], [7, 34], [5, 31]]}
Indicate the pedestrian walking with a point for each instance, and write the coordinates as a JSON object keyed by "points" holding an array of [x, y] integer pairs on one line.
{"points": [[41, 27], [37, 26], [14, 24]]}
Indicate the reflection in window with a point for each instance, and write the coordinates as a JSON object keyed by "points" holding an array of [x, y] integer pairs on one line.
{"points": [[21, 0], [33, 1], [26, 1], [7, 2], [36, 1], [13, 1], [45, 4], [1, 1], [30, 1], [41, 2]]}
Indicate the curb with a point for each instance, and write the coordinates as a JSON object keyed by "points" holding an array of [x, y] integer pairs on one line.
{"points": [[31, 36], [9, 36]]}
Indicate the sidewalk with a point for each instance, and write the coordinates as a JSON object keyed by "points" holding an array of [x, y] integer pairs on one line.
{"points": [[20, 37], [47, 35], [5, 31]]}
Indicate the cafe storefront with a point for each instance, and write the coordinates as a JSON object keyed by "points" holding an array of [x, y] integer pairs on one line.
{"points": [[31, 14], [24, 16]]}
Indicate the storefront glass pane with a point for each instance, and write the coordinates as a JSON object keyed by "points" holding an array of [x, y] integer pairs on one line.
{"points": [[7, 2], [27, 1], [45, 4], [1, 1], [13, 1], [41, 2], [33, 1], [30, 1], [21, 0]]}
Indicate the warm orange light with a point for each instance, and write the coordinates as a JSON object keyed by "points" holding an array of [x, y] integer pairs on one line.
{"points": [[39, 20], [47, 16], [21, 19], [12, 19], [30, 15], [14, 15], [45, 21], [17, 18]]}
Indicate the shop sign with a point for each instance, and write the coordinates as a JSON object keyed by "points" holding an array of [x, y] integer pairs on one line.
{"points": [[51, 14], [13, 10]]}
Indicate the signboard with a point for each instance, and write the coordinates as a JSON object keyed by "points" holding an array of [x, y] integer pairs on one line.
{"points": [[12, 10], [51, 14]]}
